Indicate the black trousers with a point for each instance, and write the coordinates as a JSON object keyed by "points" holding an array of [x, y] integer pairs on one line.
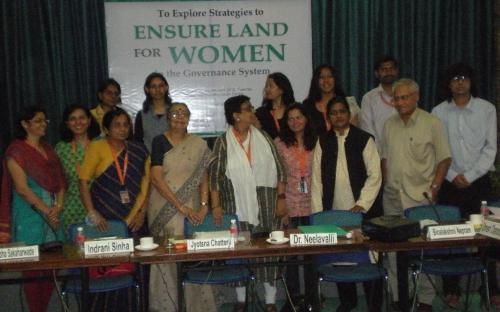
{"points": [[349, 298], [469, 202], [292, 271]]}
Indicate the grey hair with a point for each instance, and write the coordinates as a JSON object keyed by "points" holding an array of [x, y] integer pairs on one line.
{"points": [[412, 84]]}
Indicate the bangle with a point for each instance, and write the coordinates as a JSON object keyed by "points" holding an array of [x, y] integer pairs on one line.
{"points": [[204, 203], [282, 196]]}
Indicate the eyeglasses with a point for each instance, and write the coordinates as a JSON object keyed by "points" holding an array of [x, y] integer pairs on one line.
{"points": [[178, 115], [403, 97], [459, 78], [40, 120]]}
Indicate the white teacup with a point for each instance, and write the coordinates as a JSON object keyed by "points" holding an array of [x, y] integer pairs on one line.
{"points": [[476, 219], [146, 242], [277, 235]]}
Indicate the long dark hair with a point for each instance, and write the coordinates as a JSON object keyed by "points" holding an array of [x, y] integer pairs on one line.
{"points": [[66, 135], [284, 84], [27, 114], [288, 136], [146, 105], [314, 89]]}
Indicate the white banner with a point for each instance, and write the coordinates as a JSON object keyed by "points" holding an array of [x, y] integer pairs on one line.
{"points": [[208, 51]]}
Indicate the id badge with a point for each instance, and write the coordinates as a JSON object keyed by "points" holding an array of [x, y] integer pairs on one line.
{"points": [[125, 197], [303, 186]]}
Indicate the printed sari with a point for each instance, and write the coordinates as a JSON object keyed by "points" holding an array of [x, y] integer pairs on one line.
{"points": [[106, 187], [183, 169]]}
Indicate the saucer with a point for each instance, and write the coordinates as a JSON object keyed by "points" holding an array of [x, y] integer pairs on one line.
{"points": [[141, 248], [275, 242]]}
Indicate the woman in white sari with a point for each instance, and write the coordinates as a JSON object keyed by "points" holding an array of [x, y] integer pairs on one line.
{"points": [[178, 173]]}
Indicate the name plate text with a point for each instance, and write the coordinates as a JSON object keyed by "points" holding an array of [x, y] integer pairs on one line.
{"points": [[313, 239], [19, 252], [450, 231], [101, 247], [491, 228], [210, 243]]}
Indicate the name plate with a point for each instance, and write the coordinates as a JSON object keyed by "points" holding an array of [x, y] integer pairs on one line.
{"points": [[19, 252], [491, 228], [314, 239], [210, 243], [450, 231], [101, 247]]}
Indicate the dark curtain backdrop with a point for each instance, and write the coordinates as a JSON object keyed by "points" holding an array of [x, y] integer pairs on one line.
{"points": [[425, 36], [53, 52]]}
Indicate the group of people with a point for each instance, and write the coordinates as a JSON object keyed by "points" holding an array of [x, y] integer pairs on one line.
{"points": [[273, 167]]}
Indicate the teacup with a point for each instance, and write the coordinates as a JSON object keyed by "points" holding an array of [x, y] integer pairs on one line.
{"points": [[146, 242], [277, 236], [476, 219]]}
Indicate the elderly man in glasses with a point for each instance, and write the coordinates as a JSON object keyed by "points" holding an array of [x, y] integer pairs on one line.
{"points": [[415, 159]]}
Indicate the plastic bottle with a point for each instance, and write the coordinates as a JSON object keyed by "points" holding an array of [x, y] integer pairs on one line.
{"points": [[80, 239], [233, 229], [484, 208]]}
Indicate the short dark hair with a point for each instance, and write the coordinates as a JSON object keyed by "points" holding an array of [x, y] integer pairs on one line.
{"points": [[109, 82], [233, 105], [314, 90], [284, 84], [384, 59], [337, 99], [93, 130], [27, 114], [288, 137], [111, 115], [146, 105], [458, 69]]}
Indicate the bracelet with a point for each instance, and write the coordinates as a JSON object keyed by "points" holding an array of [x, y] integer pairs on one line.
{"points": [[204, 203], [434, 186]]}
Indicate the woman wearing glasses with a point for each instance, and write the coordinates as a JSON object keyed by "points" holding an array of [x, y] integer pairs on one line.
{"points": [[179, 162], [32, 195], [108, 95], [248, 179]]}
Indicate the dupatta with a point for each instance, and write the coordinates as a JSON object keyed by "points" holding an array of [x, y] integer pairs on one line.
{"points": [[48, 173]]}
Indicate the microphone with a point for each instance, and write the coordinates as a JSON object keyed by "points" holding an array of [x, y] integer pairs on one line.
{"points": [[433, 205]]}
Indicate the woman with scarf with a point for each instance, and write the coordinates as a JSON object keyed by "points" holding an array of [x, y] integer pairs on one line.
{"points": [[248, 179], [32, 195], [179, 162], [78, 128], [118, 173]]}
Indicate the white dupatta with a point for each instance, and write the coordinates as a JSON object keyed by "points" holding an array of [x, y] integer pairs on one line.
{"points": [[246, 177]]}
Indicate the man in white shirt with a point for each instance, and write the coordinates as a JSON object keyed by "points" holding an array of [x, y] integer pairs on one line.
{"points": [[471, 126], [377, 105], [346, 175]]}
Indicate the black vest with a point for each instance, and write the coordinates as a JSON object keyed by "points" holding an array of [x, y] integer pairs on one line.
{"points": [[355, 143]]}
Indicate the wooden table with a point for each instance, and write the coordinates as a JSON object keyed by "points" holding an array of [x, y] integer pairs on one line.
{"points": [[67, 258]]}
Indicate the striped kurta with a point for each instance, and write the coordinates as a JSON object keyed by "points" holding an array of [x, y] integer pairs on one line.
{"points": [[266, 197]]}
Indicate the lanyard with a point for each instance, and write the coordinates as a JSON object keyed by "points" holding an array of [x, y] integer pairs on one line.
{"points": [[121, 173], [328, 125], [248, 152], [388, 103], [276, 122], [78, 162], [301, 155]]}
